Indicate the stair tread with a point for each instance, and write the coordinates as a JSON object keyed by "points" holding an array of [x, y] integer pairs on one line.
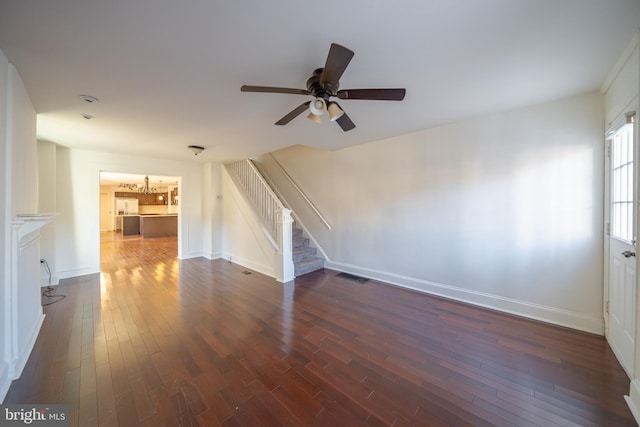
{"points": [[308, 265], [302, 249], [300, 243], [305, 259], [309, 261]]}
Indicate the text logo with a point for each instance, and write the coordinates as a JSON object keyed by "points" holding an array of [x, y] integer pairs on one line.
{"points": [[12, 415]]}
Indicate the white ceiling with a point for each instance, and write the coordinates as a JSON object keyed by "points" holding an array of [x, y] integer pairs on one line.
{"points": [[168, 73]]}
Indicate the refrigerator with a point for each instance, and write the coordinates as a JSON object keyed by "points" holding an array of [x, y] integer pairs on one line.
{"points": [[126, 206]]}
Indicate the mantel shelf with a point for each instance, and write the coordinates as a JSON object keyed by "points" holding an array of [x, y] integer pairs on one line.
{"points": [[28, 223]]}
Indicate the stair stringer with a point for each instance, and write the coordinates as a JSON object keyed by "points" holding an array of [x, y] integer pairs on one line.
{"points": [[264, 260]]}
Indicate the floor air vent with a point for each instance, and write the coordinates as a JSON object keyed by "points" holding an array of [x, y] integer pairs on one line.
{"points": [[352, 277], [246, 272]]}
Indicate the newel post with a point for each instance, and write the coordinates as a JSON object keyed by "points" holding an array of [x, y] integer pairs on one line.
{"points": [[284, 257]]}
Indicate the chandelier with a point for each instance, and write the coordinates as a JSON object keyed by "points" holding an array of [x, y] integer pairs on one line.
{"points": [[140, 188]]}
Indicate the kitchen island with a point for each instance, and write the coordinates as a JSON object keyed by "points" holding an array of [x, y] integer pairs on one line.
{"points": [[129, 224], [154, 225]]}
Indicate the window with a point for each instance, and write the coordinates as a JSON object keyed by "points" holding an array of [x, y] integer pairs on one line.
{"points": [[622, 174]]}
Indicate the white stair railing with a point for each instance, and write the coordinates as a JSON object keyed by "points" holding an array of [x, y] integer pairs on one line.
{"points": [[299, 190], [277, 218]]}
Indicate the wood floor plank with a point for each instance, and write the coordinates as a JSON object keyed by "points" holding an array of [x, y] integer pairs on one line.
{"points": [[157, 341], [208, 389]]}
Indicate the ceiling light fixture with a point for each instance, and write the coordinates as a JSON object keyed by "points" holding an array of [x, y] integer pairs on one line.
{"points": [[335, 112], [90, 99], [318, 106], [196, 149], [140, 188], [145, 188], [317, 119]]}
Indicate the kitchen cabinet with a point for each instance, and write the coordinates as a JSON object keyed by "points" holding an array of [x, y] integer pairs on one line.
{"points": [[145, 199], [130, 225], [128, 195], [158, 225]]}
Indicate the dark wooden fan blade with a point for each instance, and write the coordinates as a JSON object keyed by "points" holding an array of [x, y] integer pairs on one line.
{"points": [[294, 113], [345, 122], [337, 61], [270, 89], [372, 94]]}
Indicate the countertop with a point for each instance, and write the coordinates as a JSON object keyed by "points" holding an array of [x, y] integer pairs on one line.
{"points": [[145, 215]]}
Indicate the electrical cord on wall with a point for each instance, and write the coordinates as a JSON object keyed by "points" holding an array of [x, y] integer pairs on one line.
{"points": [[48, 289]]}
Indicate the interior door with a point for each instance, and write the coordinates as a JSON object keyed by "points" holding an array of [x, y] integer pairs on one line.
{"points": [[622, 244], [105, 212]]}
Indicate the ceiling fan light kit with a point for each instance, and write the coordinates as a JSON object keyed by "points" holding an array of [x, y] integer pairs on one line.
{"points": [[317, 107], [324, 84], [316, 118], [335, 112]]}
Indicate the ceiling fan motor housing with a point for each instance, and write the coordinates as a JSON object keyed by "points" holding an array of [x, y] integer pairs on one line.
{"points": [[315, 87]]}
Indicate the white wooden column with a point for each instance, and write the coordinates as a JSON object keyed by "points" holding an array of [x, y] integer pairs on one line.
{"points": [[284, 257]]}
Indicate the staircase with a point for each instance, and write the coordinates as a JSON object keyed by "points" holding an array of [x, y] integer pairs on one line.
{"points": [[295, 257], [305, 259]]}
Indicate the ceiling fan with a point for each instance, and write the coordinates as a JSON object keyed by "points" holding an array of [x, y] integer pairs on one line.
{"points": [[323, 85]]}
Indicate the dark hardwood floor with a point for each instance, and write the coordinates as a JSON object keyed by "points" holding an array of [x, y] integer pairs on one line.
{"points": [[156, 341]]}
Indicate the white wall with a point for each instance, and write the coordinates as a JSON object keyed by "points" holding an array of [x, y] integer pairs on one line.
{"points": [[78, 202], [24, 155], [213, 202], [503, 211], [47, 204], [21, 314], [5, 220], [243, 238]]}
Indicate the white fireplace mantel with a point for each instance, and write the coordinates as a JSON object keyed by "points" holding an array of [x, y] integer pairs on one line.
{"points": [[25, 224], [22, 302]]}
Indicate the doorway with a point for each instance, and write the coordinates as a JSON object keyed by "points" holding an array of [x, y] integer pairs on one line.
{"points": [[128, 201], [622, 234]]}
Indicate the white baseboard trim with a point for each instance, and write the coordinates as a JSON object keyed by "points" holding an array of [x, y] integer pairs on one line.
{"points": [[44, 281], [190, 255], [10, 372], [633, 399], [267, 270], [15, 370], [567, 318], [213, 255], [82, 271], [5, 381]]}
